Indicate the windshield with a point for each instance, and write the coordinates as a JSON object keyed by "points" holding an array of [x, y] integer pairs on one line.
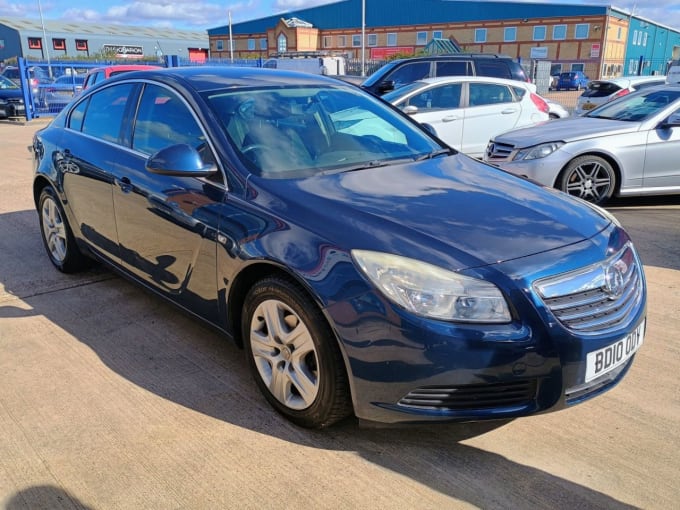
{"points": [[300, 131], [638, 106]]}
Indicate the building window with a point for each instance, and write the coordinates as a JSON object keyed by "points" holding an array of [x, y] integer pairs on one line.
{"points": [[559, 32], [539, 33], [81, 44], [263, 44], [582, 30], [619, 33], [392, 39], [421, 38], [635, 37], [639, 42], [510, 34], [372, 39], [282, 44], [644, 39], [342, 41], [437, 34], [251, 44], [480, 35], [356, 41], [219, 45], [34, 43], [327, 41], [577, 67], [59, 44]]}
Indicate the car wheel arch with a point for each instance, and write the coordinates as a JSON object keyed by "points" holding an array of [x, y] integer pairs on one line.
{"points": [[39, 184]]}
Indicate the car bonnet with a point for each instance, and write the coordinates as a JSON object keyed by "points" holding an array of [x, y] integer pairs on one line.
{"points": [[455, 211], [567, 130]]}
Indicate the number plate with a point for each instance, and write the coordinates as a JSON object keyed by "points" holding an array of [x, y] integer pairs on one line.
{"points": [[589, 106], [608, 358]]}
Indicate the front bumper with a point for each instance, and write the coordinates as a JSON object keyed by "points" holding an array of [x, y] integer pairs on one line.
{"points": [[405, 368]]}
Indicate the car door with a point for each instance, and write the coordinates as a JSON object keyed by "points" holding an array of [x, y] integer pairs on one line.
{"points": [[662, 166], [164, 229], [91, 144], [492, 109], [439, 107]]}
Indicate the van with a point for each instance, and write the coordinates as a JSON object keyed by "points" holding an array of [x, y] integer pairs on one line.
{"points": [[396, 73], [331, 66]]}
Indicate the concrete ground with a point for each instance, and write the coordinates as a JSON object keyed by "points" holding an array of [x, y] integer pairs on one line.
{"points": [[112, 399]]}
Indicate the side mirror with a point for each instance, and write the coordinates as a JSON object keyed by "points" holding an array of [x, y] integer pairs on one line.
{"points": [[180, 160], [410, 109], [386, 86], [673, 120]]}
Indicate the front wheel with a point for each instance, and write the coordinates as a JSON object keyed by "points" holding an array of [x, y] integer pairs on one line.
{"points": [[591, 178], [57, 236], [294, 355]]}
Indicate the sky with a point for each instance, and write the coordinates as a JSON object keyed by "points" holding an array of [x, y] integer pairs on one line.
{"points": [[200, 15]]}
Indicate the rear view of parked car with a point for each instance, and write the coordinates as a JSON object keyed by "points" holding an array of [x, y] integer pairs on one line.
{"points": [[601, 91], [466, 111], [37, 78], [572, 80], [58, 94]]}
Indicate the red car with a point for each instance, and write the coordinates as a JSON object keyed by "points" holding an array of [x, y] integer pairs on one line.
{"points": [[102, 73]]}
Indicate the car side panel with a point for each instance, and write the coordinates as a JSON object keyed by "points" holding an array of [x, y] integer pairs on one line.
{"points": [[662, 166]]}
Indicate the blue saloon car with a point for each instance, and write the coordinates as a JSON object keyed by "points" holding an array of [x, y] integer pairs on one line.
{"points": [[365, 268]]}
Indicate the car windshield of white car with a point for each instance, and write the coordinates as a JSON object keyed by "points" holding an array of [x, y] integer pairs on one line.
{"points": [[637, 107], [301, 131]]}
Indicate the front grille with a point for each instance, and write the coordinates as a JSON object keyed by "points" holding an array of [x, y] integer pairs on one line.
{"points": [[472, 396], [597, 299], [16, 100], [499, 151]]}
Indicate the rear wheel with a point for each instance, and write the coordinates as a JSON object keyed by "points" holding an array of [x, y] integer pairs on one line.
{"points": [[57, 236], [294, 355], [591, 178]]}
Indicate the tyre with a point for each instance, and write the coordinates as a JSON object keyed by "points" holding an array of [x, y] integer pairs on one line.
{"points": [[293, 354], [591, 178], [57, 236]]}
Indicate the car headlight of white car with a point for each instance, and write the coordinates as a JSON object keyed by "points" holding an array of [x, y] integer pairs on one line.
{"points": [[538, 151], [431, 291]]}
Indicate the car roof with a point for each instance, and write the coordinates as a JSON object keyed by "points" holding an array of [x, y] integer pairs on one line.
{"points": [[454, 56], [205, 78], [625, 81], [473, 79]]}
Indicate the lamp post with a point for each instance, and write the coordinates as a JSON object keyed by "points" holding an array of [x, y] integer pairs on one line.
{"points": [[47, 51], [363, 38]]}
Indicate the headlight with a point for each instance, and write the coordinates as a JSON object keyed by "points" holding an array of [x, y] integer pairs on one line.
{"points": [[431, 291], [538, 151]]}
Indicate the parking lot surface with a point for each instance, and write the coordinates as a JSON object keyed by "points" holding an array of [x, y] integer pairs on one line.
{"points": [[111, 398]]}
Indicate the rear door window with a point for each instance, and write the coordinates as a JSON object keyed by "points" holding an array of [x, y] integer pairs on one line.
{"points": [[105, 112], [454, 68], [492, 68]]}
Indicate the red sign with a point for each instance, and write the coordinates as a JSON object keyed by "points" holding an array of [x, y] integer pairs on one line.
{"points": [[383, 53]]}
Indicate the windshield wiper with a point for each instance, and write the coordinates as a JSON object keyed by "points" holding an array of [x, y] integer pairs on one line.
{"points": [[434, 154]]}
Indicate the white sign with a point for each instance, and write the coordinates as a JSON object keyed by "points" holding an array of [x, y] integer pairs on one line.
{"points": [[539, 52]]}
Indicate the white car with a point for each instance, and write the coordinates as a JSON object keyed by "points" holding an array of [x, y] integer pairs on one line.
{"points": [[466, 111], [602, 91]]}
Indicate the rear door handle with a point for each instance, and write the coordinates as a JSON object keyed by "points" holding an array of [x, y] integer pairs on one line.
{"points": [[450, 118], [508, 111]]}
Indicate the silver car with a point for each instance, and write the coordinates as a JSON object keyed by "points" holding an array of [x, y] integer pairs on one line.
{"points": [[629, 146]]}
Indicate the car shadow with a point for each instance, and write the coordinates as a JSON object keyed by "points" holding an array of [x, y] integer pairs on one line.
{"points": [[144, 340], [652, 224]]}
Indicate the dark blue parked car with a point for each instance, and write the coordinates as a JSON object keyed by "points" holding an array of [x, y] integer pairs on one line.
{"points": [[365, 267], [572, 80]]}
